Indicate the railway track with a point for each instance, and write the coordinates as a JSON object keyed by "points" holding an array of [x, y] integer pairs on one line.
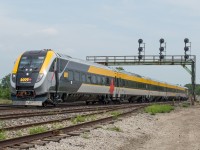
{"points": [[51, 112], [65, 119], [60, 111], [56, 134]]}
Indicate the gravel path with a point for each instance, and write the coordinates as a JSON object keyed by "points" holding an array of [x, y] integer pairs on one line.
{"points": [[178, 130]]}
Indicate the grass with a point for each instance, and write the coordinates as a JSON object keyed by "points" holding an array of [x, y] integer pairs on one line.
{"points": [[2, 124], [19, 133], [35, 130], [57, 126], [185, 104], [85, 135], [5, 101], [115, 114], [3, 135], [92, 117], [153, 109], [115, 128], [78, 119]]}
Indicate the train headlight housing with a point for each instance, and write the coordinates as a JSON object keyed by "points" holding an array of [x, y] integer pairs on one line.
{"points": [[14, 77], [40, 76]]}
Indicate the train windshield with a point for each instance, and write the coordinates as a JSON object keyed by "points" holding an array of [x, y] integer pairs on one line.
{"points": [[33, 62]]}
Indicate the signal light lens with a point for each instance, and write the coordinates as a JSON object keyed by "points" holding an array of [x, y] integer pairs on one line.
{"points": [[161, 56], [140, 57], [39, 77], [162, 40], [186, 40], [186, 48], [186, 56], [140, 49], [161, 49], [140, 41]]}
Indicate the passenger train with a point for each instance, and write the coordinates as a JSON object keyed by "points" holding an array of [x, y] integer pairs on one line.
{"points": [[42, 77]]}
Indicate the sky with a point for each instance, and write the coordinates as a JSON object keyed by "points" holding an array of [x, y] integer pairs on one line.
{"points": [[81, 28]]}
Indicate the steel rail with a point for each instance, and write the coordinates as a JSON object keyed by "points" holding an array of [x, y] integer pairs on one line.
{"points": [[65, 119], [29, 138], [54, 112]]}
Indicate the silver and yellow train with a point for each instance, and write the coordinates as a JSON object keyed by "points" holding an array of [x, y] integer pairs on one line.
{"points": [[42, 77]]}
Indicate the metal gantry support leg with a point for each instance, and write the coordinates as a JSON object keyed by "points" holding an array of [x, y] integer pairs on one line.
{"points": [[193, 82], [192, 72]]}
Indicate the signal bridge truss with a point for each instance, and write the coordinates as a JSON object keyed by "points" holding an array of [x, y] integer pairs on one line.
{"points": [[151, 60]]}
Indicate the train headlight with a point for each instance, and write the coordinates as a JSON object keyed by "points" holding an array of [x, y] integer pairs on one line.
{"points": [[14, 77], [39, 77]]}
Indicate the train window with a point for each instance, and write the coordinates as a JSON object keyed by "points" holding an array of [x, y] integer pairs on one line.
{"points": [[52, 66], [99, 80], [88, 78], [122, 82], [77, 76], [131, 84], [63, 63], [83, 77], [126, 83], [139, 85], [103, 80], [107, 81], [71, 75], [94, 80]]}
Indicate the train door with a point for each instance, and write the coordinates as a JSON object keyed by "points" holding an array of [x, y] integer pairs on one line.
{"points": [[117, 87], [53, 78]]}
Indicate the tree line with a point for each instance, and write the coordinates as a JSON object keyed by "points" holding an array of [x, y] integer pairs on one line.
{"points": [[5, 87], [197, 89]]}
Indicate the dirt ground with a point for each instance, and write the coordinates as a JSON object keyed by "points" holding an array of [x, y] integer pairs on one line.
{"points": [[178, 130]]}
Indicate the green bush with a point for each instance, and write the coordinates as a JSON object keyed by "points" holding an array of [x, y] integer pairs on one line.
{"points": [[153, 109], [4, 93]]}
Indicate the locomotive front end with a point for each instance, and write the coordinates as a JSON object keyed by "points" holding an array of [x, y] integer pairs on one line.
{"points": [[28, 86]]}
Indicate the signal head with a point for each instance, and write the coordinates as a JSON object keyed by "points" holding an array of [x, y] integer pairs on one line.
{"points": [[161, 56], [161, 49], [186, 48], [186, 56], [139, 57], [186, 40], [140, 41], [161, 40], [140, 49]]}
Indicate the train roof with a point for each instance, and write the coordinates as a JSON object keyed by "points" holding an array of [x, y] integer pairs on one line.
{"points": [[84, 61]]}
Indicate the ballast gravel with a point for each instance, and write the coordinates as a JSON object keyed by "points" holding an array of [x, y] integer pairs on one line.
{"points": [[105, 137], [178, 130]]}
